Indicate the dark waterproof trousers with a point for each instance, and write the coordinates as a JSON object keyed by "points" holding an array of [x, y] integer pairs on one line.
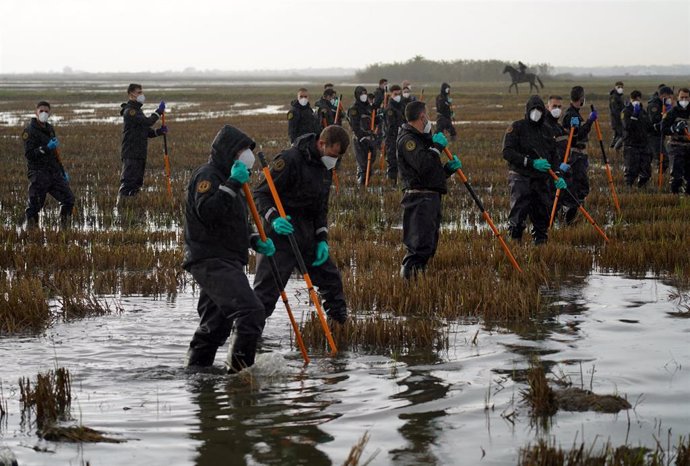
{"points": [[637, 164], [362, 155], [421, 224], [226, 298], [42, 183], [392, 157], [680, 167], [132, 178], [533, 198], [656, 146], [326, 278], [578, 184], [445, 124]]}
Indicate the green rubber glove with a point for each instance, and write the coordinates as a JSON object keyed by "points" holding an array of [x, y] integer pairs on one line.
{"points": [[282, 226], [560, 183], [239, 172], [321, 253], [541, 165], [453, 165], [440, 139], [267, 248]]}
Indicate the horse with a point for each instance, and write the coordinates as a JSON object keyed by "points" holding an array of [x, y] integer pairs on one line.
{"points": [[518, 77]]}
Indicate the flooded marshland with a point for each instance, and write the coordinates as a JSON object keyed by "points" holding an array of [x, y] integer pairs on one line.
{"points": [[435, 372]]}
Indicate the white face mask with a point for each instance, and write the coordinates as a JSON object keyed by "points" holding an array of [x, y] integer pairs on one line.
{"points": [[619, 90], [43, 117], [556, 112], [397, 98], [406, 94], [683, 103], [635, 103], [448, 90], [329, 162], [363, 98], [303, 101], [427, 126], [535, 115], [247, 158], [141, 98], [668, 101]]}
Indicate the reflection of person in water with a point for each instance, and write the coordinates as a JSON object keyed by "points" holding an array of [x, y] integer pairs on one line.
{"points": [[238, 425]]}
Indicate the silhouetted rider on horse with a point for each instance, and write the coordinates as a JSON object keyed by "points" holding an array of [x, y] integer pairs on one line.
{"points": [[521, 75]]}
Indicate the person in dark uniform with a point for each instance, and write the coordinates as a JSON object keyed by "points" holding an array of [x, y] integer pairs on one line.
{"points": [[423, 182], [444, 112], [675, 124], [578, 160], [46, 173], [616, 105], [407, 96], [326, 108], [380, 94], [660, 103], [637, 158], [136, 131], [216, 239], [302, 177], [363, 138], [301, 119], [531, 150], [395, 117], [554, 110]]}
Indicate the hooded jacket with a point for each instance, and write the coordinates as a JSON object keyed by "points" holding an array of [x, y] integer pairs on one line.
{"points": [[670, 119], [136, 130], [38, 156], [303, 184], [359, 115], [526, 141], [581, 134], [216, 220], [301, 120], [442, 105], [419, 161], [395, 117]]}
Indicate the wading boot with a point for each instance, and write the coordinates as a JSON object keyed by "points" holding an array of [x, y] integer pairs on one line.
{"points": [[31, 222], [242, 353], [200, 357]]}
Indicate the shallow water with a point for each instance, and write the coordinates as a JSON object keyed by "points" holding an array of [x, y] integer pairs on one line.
{"points": [[613, 333]]}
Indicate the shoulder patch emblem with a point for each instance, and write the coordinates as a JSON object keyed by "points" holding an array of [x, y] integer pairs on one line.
{"points": [[390, 112], [279, 165], [654, 109], [25, 135], [132, 112], [290, 115], [353, 112], [410, 145], [510, 129], [203, 186]]}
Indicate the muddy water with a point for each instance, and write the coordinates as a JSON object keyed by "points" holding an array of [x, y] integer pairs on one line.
{"points": [[609, 332]]}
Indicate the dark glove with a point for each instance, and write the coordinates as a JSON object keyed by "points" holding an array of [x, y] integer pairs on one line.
{"points": [[162, 130], [679, 127], [53, 144], [161, 108], [636, 110], [593, 116], [65, 175]]}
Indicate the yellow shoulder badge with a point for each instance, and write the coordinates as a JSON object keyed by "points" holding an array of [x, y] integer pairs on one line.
{"points": [[390, 112], [132, 112], [279, 165], [203, 186], [290, 115], [654, 109], [353, 112], [510, 129], [410, 145], [25, 135]]}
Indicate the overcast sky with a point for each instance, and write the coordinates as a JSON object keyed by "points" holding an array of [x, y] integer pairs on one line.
{"points": [[156, 35]]}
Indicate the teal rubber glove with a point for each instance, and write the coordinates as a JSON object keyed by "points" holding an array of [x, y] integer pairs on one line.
{"points": [[440, 139], [282, 226], [321, 254], [239, 172], [560, 183], [453, 165], [541, 165], [267, 248]]}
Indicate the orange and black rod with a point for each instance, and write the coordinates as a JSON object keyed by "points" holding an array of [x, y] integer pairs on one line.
{"points": [[565, 160], [485, 214], [608, 167], [582, 209], [661, 146], [336, 181], [274, 270], [383, 155], [371, 127], [421, 96], [338, 110], [166, 159], [298, 255]]}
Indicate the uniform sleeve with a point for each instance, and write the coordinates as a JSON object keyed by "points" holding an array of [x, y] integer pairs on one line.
{"points": [[511, 148], [292, 125], [213, 201], [33, 150], [420, 159], [378, 98], [442, 106], [321, 223], [667, 121], [281, 174], [140, 119]]}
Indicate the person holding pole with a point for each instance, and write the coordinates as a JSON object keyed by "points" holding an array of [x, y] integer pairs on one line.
{"points": [[301, 119], [302, 179], [216, 239], [676, 123], [531, 151], [423, 182], [363, 137], [395, 117], [637, 158], [660, 103], [444, 112], [616, 106]]}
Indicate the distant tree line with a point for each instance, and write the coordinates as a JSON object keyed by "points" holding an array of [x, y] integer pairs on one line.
{"points": [[420, 69]]}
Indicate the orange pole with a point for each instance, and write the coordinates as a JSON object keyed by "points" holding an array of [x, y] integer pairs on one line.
{"points": [[366, 177], [166, 160], [565, 160], [298, 255], [276, 276], [606, 163], [485, 214], [336, 181], [661, 146]]}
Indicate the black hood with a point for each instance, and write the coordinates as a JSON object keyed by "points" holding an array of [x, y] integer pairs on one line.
{"points": [[226, 145], [444, 86], [130, 103], [307, 146], [358, 92], [535, 102]]}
